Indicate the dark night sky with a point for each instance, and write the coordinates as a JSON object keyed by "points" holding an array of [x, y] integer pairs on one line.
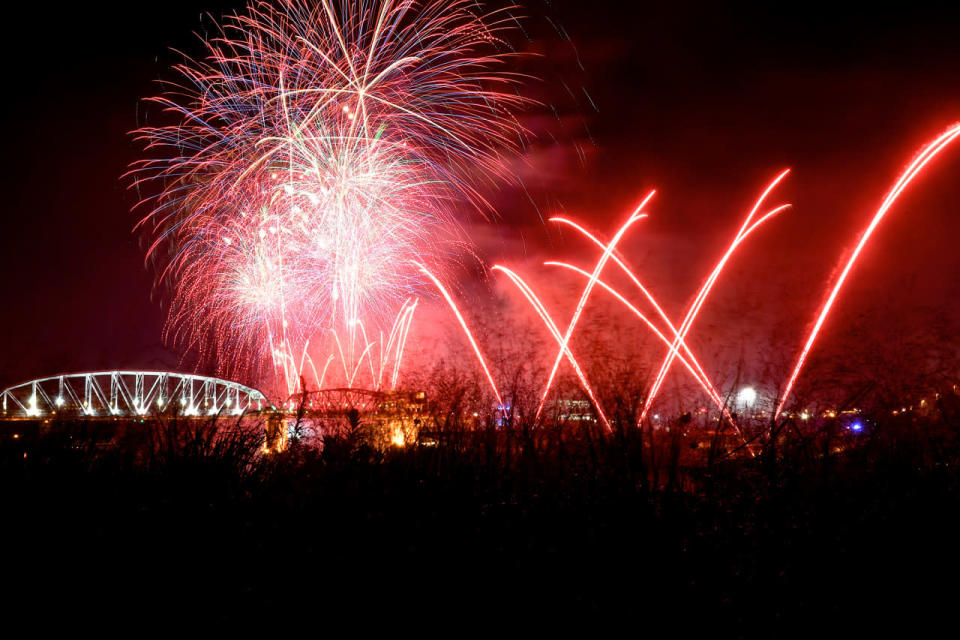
{"points": [[705, 104]]}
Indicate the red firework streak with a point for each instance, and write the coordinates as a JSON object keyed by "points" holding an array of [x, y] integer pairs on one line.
{"points": [[745, 229], [927, 153], [608, 251]]}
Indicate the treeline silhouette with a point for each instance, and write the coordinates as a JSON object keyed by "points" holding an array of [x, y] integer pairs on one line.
{"points": [[488, 519]]}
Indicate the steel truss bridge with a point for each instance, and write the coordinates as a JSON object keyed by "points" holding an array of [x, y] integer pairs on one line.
{"points": [[129, 394]]}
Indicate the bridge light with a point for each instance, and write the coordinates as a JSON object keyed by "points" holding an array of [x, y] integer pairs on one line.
{"points": [[160, 402], [59, 401], [32, 409]]}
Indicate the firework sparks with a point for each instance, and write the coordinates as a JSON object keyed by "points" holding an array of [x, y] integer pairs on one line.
{"points": [[466, 330], [551, 325], [700, 374], [607, 252], [744, 231], [703, 381], [928, 153], [317, 151]]}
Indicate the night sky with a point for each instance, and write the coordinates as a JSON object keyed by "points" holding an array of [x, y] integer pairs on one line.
{"points": [[705, 104]]}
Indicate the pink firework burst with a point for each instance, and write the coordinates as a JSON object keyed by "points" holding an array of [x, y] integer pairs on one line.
{"points": [[315, 160]]}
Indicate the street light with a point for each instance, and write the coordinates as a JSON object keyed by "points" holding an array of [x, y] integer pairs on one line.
{"points": [[747, 397]]}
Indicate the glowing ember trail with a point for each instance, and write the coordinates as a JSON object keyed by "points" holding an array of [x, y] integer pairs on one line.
{"points": [[323, 375], [928, 153], [548, 321], [700, 374], [707, 286], [466, 330], [636, 215], [707, 387], [396, 341], [313, 155]]}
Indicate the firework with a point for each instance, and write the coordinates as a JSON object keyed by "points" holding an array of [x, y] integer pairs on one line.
{"points": [[928, 153], [466, 330], [745, 229], [315, 161], [700, 375], [677, 348], [690, 363], [537, 305], [607, 252]]}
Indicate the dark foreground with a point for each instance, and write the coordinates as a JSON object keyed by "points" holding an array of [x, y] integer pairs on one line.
{"points": [[484, 529]]}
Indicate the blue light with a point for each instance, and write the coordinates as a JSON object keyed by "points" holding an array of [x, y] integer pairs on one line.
{"points": [[857, 427]]}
